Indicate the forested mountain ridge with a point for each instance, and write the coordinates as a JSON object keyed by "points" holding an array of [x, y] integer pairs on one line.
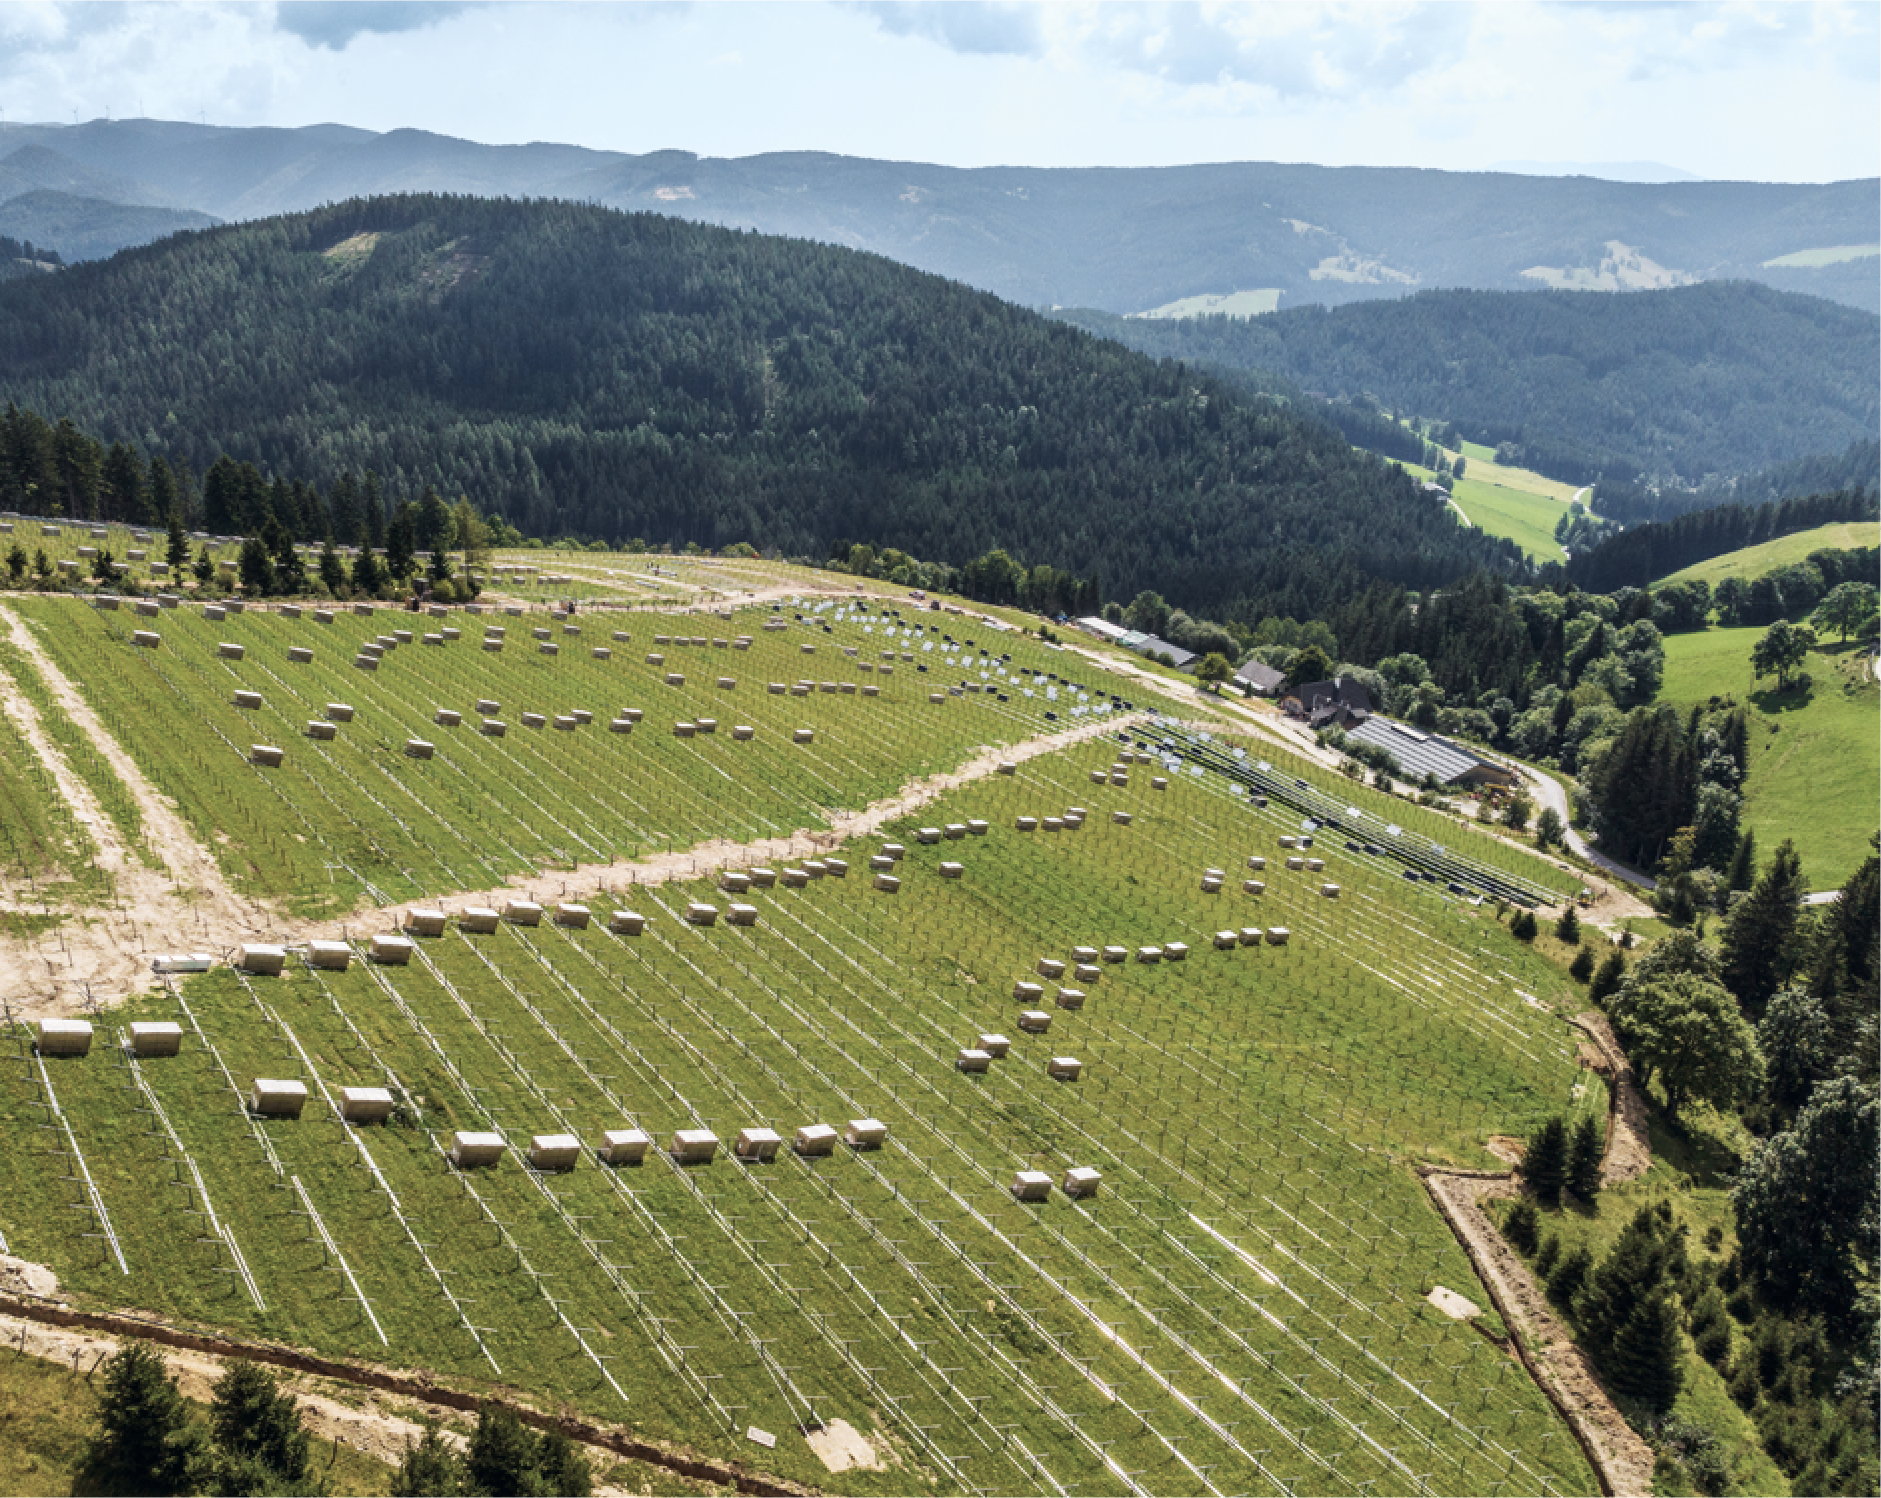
{"points": [[1127, 240], [574, 369], [1683, 385]]}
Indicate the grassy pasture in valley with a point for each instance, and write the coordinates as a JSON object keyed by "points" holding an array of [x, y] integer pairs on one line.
{"points": [[1483, 465], [1814, 753], [356, 814], [1754, 561], [1526, 519], [1239, 1309]]}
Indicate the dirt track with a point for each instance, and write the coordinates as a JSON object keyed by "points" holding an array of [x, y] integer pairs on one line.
{"points": [[184, 901]]}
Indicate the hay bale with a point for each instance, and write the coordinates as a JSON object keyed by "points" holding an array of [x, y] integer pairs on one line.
{"points": [[706, 725], [1116, 954], [1051, 967], [757, 1146], [275, 1098], [993, 1043], [1251, 936], [887, 883], [1175, 951], [548, 647], [478, 920], [882, 863], [1277, 936], [1080, 1181], [495, 647], [936, 697], [743, 733], [1315, 865], [299, 655], [1054, 824], [632, 714], [814, 867], [419, 749], [795, 878], [623, 1146], [734, 882], [1064, 1068], [566, 723], [895, 851], [952, 870], [366, 662], [869, 690], [815, 1141], [1121, 818], [447, 717], [248, 699], [776, 688], [1026, 824], [1118, 777], [742, 915], [1070, 998], [1087, 972], [228, 650], [1296, 864], [1253, 887], [803, 736], [146, 639], [1211, 884], [693, 1146], [553, 1151], [836, 868], [493, 728], [1028, 992], [927, 835], [800, 689], [391, 950], [533, 720], [1031, 1186], [1149, 954], [972, 1060], [475, 1150], [63, 1037], [763, 877], [698, 913], [620, 725], [366, 1105], [572, 916], [685, 730], [1159, 783], [154, 1038], [329, 956], [1034, 1021], [1098, 777], [977, 828], [522, 913], [675, 678], [626, 923], [1330, 891], [267, 755], [1289, 842], [144, 609], [865, 1134], [319, 728], [728, 683]]}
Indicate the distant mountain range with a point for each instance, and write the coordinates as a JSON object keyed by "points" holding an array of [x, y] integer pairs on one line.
{"points": [[1128, 241]]}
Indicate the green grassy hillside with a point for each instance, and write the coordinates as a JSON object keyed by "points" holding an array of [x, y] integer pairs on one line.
{"points": [[1239, 1309], [1815, 754], [1768, 556]]}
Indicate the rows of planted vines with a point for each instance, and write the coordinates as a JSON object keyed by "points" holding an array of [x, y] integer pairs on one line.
{"points": [[1239, 1308], [358, 815]]}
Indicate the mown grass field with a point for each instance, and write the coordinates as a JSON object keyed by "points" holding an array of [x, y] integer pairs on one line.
{"points": [[1483, 464], [1524, 518], [1768, 556], [356, 815], [1815, 754], [1239, 1309]]}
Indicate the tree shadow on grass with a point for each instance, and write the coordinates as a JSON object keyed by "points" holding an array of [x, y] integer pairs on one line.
{"points": [[1775, 701]]}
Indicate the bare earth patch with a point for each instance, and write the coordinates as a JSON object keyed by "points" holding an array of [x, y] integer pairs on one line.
{"points": [[840, 1446]]}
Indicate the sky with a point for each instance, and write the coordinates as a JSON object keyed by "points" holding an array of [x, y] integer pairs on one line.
{"points": [[1770, 92]]}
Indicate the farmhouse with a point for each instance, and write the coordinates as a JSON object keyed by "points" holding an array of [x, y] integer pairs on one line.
{"points": [[1261, 680], [1338, 703]]}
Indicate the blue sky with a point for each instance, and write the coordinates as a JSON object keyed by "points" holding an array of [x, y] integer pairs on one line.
{"points": [[1785, 92]]}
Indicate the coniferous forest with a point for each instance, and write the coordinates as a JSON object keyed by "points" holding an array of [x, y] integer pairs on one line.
{"points": [[1673, 387], [573, 370]]}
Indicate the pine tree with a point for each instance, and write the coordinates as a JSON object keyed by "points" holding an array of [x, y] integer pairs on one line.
{"points": [[332, 569], [258, 1431], [1643, 1362], [1544, 1163], [1522, 1225], [256, 568], [1581, 969], [1585, 1148], [501, 1457], [176, 545], [1522, 925], [1607, 980], [1568, 927], [1795, 1036], [145, 1441], [368, 576], [1569, 1277], [1546, 1257], [429, 1468], [400, 557], [1743, 870], [204, 566], [1759, 943]]}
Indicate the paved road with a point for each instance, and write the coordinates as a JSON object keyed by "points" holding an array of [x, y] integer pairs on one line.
{"points": [[1550, 792]]}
